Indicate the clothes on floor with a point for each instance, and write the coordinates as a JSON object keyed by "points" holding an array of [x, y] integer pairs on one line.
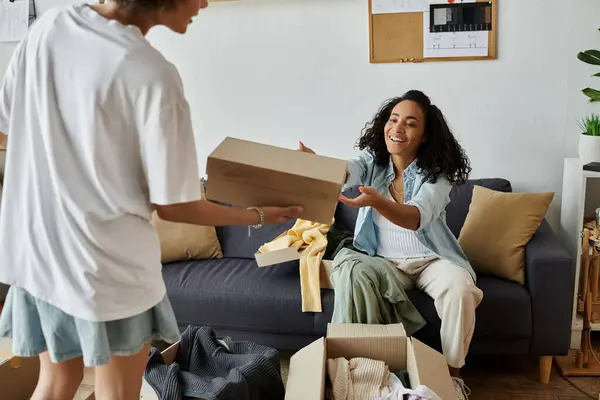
{"points": [[357, 379], [311, 239], [212, 368], [36, 327], [455, 298], [368, 291]]}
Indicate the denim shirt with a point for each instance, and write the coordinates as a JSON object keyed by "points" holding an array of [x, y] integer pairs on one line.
{"points": [[430, 199]]}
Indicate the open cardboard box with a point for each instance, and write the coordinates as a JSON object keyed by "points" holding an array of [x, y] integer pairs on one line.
{"points": [[308, 367], [275, 257], [18, 375], [249, 174]]}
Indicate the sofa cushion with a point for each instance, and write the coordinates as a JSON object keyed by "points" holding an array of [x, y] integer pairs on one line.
{"points": [[180, 241], [461, 196], [236, 243], [236, 294], [498, 227]]}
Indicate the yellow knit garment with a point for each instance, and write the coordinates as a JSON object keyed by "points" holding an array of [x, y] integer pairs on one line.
{"points": [[311, 239]]}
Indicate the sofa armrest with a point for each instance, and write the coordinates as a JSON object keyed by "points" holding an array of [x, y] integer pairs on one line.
{"points": [[549, 276]]}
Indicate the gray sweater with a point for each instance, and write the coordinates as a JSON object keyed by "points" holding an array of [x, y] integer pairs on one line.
{"points": [[212, 368]]}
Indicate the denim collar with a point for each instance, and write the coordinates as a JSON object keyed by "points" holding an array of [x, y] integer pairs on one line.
{"points": [[408, 173]]}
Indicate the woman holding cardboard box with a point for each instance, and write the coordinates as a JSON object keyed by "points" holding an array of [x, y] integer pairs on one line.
{"points": [[408, 163], [100, 136]]}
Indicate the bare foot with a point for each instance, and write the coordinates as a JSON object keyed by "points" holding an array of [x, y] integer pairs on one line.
{"points": [[454, 372]]}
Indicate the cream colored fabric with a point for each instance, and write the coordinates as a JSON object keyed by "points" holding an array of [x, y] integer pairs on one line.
{"points": [[455, 297], [497, 228], [357, 379], [180, 242], [311, 239]]}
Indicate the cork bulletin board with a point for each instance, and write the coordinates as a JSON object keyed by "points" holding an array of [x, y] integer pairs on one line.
{"points": [[432, 30]]}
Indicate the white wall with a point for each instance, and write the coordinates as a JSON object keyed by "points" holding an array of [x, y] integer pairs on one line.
{"points": [[283, 70]]}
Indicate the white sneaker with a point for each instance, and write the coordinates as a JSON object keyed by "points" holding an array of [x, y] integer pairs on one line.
{"points": [[462, 391]]}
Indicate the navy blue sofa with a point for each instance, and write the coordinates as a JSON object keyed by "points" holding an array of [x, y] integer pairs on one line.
{"points": [[237, 298]]}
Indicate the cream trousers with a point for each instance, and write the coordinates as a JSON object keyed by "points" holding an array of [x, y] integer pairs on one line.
{"points": [[455, 297]]}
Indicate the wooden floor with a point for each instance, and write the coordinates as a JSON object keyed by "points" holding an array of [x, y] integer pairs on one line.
{"points": [[514, 378]]}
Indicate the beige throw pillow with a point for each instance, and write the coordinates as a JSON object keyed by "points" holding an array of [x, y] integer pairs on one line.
{"points": [[497, 228], [180, 242]]}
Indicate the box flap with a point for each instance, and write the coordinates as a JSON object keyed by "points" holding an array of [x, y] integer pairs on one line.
{"points": [[306, 377], [428, 367], [268, 157], [276, 257], [18, 375], [364, 330]]}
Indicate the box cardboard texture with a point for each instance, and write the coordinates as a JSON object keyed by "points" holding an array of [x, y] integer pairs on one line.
{"points": [[276, 257], [18, 375], [249, 174], [308, 367]]}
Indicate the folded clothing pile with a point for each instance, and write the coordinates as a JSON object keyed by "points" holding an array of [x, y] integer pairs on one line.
{"points": [[211, 368], [366, 379]]}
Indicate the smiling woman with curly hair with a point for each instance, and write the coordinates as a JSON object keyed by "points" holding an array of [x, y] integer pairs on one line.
{"points": [[408, 163]]}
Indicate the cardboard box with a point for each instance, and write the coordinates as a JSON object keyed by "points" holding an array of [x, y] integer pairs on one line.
{"points": [[276, 257], [248, 174], [308, 367], [18, 375]]}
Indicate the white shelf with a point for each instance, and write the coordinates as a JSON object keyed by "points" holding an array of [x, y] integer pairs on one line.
{"points": [[580, 198], [575, 163]]}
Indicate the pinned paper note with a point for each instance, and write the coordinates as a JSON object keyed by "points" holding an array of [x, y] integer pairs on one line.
{"points": [[399, 6], [453, 44], [14, 20]]}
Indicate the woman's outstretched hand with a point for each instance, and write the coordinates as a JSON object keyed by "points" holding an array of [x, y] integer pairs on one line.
{"points": [[305, 149], [368, 198]]}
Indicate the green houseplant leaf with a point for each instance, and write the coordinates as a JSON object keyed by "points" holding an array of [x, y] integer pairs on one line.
{"points": [[590, 126], [593, 94], [590, 57]]}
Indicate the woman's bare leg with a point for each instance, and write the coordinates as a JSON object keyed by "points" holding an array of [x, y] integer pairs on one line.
{"points": [[121, 378], [58, 381]]}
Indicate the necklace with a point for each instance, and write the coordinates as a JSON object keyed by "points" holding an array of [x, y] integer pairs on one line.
{"points": [[396, 191]]}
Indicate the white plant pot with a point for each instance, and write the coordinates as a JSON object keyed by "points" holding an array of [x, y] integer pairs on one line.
{"points": [[589, 149]]}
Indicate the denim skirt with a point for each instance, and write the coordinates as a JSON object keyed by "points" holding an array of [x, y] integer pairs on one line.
{"points": [[36, 327]]}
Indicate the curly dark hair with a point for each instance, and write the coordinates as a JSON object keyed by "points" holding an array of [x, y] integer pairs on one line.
{"points": [[439, 155]]}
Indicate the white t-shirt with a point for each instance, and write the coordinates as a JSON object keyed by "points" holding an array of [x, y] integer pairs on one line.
{"points": [[98, 130]]}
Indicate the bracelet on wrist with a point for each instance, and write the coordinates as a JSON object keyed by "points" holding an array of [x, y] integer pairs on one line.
{"points": [[261, 217]]}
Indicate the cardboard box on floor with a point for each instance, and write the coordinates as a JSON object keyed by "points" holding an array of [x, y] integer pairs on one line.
{"points": [[276, 257], [308, 367], [250, 174], [18, 375]]}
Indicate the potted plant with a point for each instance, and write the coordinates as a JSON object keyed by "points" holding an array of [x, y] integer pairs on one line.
{"points": [[589, 140]]}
